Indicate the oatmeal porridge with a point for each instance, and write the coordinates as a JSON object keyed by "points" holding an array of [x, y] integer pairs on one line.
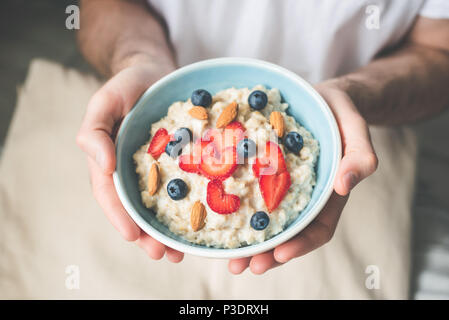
{"points": [[229, 170]]}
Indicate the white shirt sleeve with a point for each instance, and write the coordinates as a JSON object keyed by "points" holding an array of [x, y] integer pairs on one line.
{"points": [[435, 9]]}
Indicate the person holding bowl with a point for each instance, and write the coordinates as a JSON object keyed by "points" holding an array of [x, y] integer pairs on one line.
{"points": [[385, 64]]}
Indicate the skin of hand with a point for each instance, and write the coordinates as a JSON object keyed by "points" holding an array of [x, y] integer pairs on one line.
{"points": [[402, 86], [105, 110], [134, 53], [116, 98], [132, 75], [358, 162]]}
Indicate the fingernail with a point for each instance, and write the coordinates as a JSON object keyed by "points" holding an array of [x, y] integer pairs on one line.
{"points": [[281, 258], [350, 180], [100, 159]]}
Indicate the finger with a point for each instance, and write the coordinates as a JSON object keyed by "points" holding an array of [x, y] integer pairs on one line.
{"points": [[359, 159], [262, 262], [103, 112], [99, 146], [106, 109], [152, 247], [237, 266], [173, 255], [319, 232], [106, 196]]}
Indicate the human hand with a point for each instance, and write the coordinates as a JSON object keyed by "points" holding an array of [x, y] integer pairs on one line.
{"points": [[105, 111], [358, 162]]}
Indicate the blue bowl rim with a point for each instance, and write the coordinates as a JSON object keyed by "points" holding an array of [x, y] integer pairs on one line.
{"points": [[211, 252]]}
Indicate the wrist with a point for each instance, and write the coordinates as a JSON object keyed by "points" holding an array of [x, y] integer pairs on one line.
{"points": [[160, 66], [340, 102], [350, 89], [341, 84]]}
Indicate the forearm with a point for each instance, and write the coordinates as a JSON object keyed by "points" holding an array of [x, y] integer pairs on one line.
{"points": [[117, 33], [405, 86]]}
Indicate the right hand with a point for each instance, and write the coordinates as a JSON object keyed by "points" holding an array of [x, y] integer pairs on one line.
{"points": [[106, 109], [359, 162]]}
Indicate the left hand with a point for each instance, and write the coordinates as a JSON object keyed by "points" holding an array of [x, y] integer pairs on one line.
{"points": [[358, 162], [105, 111]]}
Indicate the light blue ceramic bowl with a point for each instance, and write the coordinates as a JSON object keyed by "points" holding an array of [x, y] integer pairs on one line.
{"points": [[306, 106]]}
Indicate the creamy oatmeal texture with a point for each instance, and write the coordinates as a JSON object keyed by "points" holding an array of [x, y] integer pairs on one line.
{"points": [[229, 230]]}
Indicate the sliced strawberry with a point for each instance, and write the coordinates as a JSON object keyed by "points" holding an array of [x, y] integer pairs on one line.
{"points": [[233, 133], [187, 163], [229, 137], [201, 148], [214, 136], [258, 165], [272, 162], [219, 201], [190, 162], [219, 167], [158, 143], [210, 134], [274, 188], [234, 125]]}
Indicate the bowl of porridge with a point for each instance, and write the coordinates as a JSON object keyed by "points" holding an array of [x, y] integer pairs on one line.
{"points": [[227, 158]]}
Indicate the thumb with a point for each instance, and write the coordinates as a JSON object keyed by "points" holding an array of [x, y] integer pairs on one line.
{"points": [[94, 137], [355, 166], [106, 109], [359, 159], [99, 147]]}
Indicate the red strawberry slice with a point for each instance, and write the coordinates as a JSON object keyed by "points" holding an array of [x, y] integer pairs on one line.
{"points": [[214, 136], [158, 143], [219, 201], [187, 163], [190, 162], [233, 133], [229, 137], [210, 134], [274, 188], [219, 167], [236, 125], [273, 161], [258, 165]]}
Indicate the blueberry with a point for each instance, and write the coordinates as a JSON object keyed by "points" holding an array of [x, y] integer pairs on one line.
{"points": [[173, 149], [183, 136], [246, 148], [259, 220], [201, 97], [177, 189], [294, 142], [257, 100]]}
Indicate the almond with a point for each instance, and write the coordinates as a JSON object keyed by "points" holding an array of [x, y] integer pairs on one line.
{"points": [[198, 113], [227, 115], [153, 179], [277, 121], [197, 216]]}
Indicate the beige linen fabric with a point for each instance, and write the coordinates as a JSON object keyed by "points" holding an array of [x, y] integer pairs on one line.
{"points": [[49, 220]]}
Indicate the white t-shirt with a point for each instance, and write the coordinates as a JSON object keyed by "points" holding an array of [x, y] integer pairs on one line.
{"points": [[317, 39]]}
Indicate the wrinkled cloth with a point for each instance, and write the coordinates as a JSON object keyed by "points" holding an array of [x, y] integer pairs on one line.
{"points": [[51, 224], [319, 39]]}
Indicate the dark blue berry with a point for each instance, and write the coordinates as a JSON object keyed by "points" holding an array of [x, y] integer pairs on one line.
{"points": [[257, 100], [246, 148], [201, 97], [293, 142], [173, 149], [183, 136], [259, 220], [177, 189]]}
